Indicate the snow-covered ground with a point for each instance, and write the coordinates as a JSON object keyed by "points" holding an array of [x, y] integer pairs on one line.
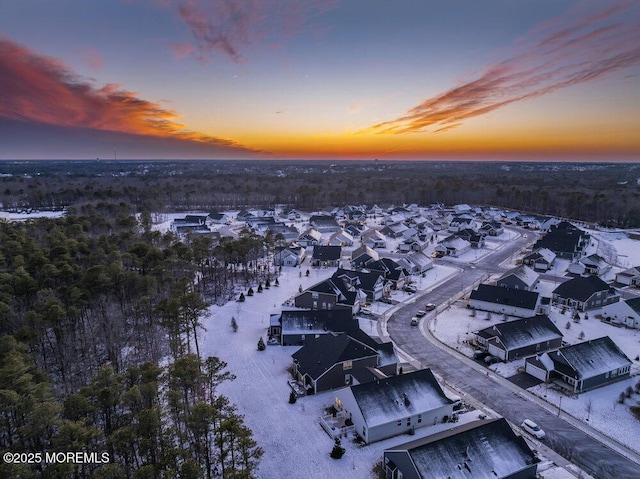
{"points": [[294, 443], [30, 215], [456, 325], [296, 446]]}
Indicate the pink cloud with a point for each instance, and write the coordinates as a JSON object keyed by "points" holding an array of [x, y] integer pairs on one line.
{"points": [[229, 27], [560, 53], [182, 50], [41, 89], [93, 59]]}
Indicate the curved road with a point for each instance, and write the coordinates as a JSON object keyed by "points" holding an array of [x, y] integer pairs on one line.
{"points": [[570, 442]]}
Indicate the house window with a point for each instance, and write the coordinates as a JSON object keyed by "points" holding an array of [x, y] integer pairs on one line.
{"points": [[347, 365], [419, 418], [400, 422], [314, 295], [408, 421]]}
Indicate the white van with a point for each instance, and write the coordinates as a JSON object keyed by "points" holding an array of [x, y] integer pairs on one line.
{"points": [[532, 428]]}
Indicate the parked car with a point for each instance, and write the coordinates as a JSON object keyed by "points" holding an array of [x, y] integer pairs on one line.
{"points": [[490, 359], [410, 288], [420, 313], [366, 311], [532, 428], [430, 307], [480, 355]]}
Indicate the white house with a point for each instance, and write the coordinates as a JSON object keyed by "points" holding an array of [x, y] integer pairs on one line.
{"points": [[625, 312], [629, 277], [341, 238], [395, 405]]}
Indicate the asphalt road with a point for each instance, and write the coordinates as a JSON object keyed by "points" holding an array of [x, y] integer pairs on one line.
{"points": [[570, 442]]}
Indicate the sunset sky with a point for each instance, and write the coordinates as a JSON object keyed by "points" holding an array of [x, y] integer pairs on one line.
{"points": [[351, 79]]}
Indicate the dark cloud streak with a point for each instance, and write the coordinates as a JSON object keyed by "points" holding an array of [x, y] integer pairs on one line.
{"points": [[231, 27]]}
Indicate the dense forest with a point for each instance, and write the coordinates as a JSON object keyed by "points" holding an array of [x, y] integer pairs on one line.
{"points": [[99, 351], [605, 193]]}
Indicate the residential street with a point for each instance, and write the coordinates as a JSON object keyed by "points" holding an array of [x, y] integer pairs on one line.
{"points": [[589, 453]]}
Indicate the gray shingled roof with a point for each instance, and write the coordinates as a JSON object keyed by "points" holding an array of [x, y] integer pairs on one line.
{"points": [[592, 358], [384, 401], [475, 451], [321, 353], [509, 297], [520, 333], [581, 288]]}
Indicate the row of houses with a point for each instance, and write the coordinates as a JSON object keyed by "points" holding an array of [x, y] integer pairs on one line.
{"points": [[514, 295], [575, 368]]}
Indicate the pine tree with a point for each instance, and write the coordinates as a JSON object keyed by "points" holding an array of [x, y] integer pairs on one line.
{"points": [[261, 345], [338, 451], [234, 324], [293, 397]]}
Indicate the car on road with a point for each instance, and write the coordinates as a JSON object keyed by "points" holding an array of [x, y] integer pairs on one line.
{"points": [[414, 321], [532, 428], [430, 307], [420, 313]]}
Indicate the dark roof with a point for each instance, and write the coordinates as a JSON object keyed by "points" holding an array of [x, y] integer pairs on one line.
{"points": [[321, 353], [518, 298], [399, 396], [581, 288], [388, 267], [590, 358], [468, 234], [634, 304], [323, 220], [337, 320], [364, 280], [327, 253], [339, 288], [478, 450], [195, 218], [520, 333], [564, 238]]}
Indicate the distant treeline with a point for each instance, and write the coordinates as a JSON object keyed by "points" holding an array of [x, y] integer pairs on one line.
{"points": [[604, 193]]}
